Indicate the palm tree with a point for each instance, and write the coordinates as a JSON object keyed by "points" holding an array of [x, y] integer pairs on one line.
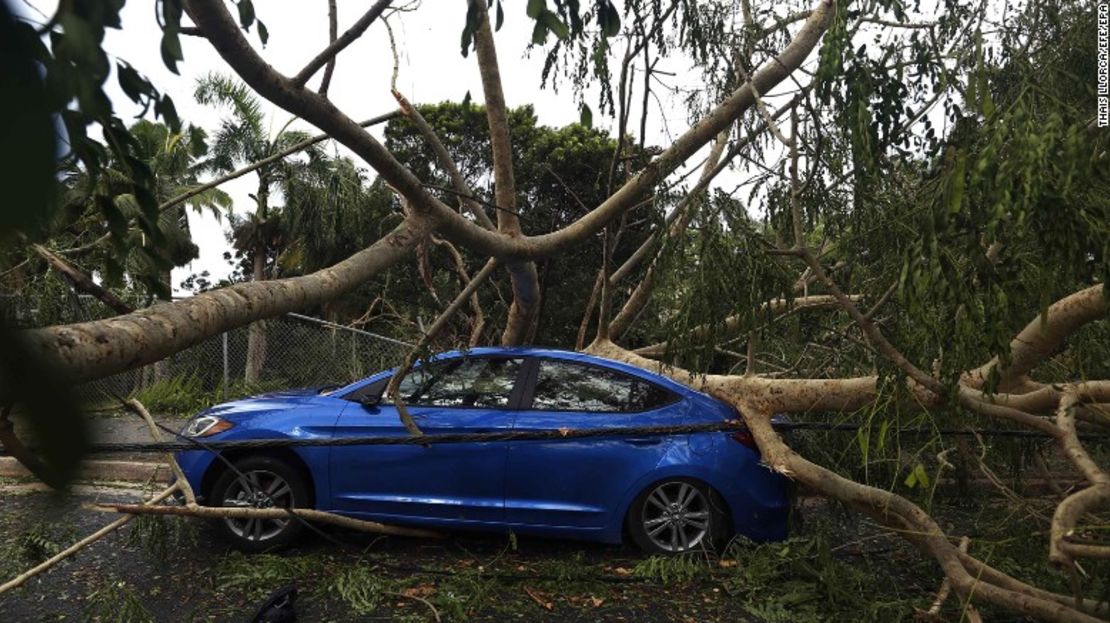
{"points": [[241, 139], [172, 160]]}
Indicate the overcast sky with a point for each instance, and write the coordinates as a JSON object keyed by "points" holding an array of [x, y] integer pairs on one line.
{"points": [[432, 69]]}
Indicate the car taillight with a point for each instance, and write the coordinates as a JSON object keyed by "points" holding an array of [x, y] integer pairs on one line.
{"points": [[745, 437]]}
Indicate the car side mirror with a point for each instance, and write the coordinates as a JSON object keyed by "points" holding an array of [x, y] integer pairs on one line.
{"points": [[370, 400]]}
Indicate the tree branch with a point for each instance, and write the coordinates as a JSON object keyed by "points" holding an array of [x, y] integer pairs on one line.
{"points": [[91, 350], [466, 196], [638, 300], [235, 512], [1043, 336], [1073, 507], [649, 245], [224, 34], [327, 55], [393, 388], [525, 281], [478, 323], [333, 33], [732, 323], [47, 564], [82, 282], [180, 481]]}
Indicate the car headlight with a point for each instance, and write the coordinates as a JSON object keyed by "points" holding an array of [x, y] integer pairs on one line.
{"points": [[205, 426]]}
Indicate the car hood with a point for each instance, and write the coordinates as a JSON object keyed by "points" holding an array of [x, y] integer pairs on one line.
{"points": [[275, 401]]}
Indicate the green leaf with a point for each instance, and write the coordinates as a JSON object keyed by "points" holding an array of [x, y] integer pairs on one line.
{"points": [[198, 141], [466, 101], [956, 189], [133, 84], [165, 109], [171, 50], [263, 33], [536, 8], [586, 116], [986, 101], [917, 477], [500, 17], [539, 33], [28, 137], [246, 13], [555, 25], [469, 28], [611, 24]]}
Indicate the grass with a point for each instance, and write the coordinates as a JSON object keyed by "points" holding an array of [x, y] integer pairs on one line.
{"points": [[184, 395]]}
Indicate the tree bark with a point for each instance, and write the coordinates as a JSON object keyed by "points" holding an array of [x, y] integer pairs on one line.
{"points": [[92, 350], [1043, 335], [256, 335], [522, 275]]}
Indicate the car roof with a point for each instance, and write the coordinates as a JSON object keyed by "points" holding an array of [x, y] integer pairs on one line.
{"points": [[568, 355], [546, 353]]}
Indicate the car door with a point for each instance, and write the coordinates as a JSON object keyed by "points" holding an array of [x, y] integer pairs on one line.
{"points": [[575, 483], [456, 482]]}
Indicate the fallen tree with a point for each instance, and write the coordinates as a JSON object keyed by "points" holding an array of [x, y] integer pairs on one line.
{"points": [[923, 254]]}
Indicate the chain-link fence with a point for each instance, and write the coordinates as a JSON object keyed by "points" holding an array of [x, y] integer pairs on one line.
{"points": [[296, 351]]}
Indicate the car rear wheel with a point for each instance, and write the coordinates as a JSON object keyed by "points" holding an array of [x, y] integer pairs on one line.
{"points": [[678, 515], [262, 482]]}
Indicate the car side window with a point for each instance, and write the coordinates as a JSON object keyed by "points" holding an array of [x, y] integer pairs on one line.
{"points": [[567, 386], [481, 382]]}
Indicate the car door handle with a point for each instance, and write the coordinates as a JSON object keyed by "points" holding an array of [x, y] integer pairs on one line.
{"points": [[644, 441]]}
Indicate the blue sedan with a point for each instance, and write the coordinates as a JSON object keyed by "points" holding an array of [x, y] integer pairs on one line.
{"points": [[668, 494]]}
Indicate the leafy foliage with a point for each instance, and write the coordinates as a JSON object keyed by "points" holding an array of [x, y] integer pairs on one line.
{"points": [[560, 174], [258, 574], [117, 602], [361, 587], [160, 537]]}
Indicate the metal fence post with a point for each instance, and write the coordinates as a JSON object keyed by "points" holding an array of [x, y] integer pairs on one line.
{"points": [[227, 375]]}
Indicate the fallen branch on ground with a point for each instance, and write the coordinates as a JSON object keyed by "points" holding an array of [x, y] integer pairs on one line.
{"points": [[45, 565], [220, 512]]}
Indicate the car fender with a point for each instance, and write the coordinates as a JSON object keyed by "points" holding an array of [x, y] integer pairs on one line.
{"points": [[676, 463], [199, 466]]}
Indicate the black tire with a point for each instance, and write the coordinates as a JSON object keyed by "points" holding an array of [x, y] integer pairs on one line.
{"points": [[269, 482], [660, 523]]}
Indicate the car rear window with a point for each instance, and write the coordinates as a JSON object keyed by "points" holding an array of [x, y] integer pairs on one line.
{"points": [[567, 386]]}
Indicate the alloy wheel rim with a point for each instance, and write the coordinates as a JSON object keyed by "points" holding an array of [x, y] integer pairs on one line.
{"points": [[258, 489], [676, 516]]}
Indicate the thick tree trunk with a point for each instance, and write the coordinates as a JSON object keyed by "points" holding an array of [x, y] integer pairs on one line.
{"points": [[91, 350], [525, 281], [256, 336]]}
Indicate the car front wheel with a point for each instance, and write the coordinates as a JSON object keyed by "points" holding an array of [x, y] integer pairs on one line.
{"points": [[677, 515], [261, 482]]}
